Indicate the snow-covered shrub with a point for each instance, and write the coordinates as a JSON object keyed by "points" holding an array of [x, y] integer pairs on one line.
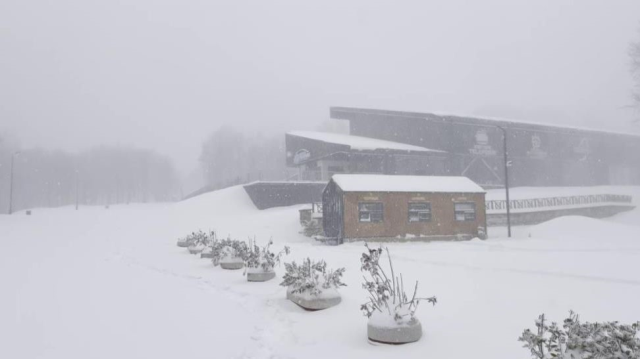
{"points": [[227, 249], [312, 227], [262, 258], [190, 239], [198, 238], [576, 340], [311, 277], [198, 241], [210, 243], [387, 296], [216, 251], [206, 238]]}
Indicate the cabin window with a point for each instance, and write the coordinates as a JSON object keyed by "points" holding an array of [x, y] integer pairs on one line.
{"points": [[370, 211], [419, 212], [465, 211]]}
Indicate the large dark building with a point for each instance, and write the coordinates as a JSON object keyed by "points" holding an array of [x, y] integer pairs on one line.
{"points": [[319, 155], [540, 155]]}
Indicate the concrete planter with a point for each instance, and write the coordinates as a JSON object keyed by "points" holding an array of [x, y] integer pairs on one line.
{"points": [[232, 263], [314, 303], [401, 334], [183, 243], [195, 249], [206, 255], [260, 276]]}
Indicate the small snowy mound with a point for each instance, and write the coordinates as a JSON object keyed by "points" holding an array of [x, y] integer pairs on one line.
{"points": [[228, 201], [583, 228], [628, 218], [222, 211], [230, 212]]}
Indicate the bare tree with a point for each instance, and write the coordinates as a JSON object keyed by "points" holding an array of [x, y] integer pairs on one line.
{"points": [[8, 144], [230, 157], [634, 53], [103, 175]]}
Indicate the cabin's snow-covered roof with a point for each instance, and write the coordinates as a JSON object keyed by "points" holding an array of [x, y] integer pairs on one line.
{"points": [[395, 183], [359, 143]]}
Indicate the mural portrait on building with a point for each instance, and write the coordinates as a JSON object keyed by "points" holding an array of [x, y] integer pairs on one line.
{"points": [[583, 148], [536, 150], [482, 147]]}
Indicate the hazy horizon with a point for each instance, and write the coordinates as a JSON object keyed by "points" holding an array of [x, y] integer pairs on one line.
{"points": [[164, 75]]}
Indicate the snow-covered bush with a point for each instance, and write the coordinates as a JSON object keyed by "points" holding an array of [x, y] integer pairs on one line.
{"points": [[189, 239], [198, 238], [311, 277], [262, 258], [227, 249], [209, 243], [576, 340], [387, 296], [312, 227], [216, 251], [206, 238]]}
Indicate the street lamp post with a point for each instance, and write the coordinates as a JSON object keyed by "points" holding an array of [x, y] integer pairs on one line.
{"points": [[76, 181], [506, 178], [13, 155]]}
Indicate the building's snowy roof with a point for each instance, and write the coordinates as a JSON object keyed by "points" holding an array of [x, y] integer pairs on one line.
{"points": [[359, 143], [393, 183], [444, 115]]}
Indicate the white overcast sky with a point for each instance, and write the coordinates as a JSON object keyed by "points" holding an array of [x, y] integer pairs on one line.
{"points": [[163, 74]]}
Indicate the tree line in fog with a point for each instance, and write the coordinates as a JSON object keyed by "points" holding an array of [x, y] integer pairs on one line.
{"points": [[230, 157], [122, 174], [100, 176]]}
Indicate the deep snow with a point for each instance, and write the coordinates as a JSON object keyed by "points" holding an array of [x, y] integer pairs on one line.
{"points": [[111, 283], [359, 143], [397, 183]]}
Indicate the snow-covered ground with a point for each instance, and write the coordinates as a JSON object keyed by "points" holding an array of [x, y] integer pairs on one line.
{"points": [[98, 283]]}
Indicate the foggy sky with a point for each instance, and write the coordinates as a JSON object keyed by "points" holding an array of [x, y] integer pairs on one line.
{"points": [[164, 74]]}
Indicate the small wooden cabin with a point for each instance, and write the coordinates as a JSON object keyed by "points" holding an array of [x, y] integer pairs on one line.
{"points": [[390, 207]]}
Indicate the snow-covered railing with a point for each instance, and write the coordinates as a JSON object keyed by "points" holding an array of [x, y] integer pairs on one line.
{"points": [[540, 204], [569, 201], [316, 207]]}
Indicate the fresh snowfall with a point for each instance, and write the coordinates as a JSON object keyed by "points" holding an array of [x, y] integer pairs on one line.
{"points": [[111, 283]]}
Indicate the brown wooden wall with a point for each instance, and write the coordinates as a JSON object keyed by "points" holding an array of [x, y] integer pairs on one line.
{"points": [[396, 216]]}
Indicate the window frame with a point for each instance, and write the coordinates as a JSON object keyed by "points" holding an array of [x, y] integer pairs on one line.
{"points": [[420, 220], [467, 218], [361, 210]]}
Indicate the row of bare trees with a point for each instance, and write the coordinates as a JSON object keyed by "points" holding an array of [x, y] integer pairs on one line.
{"points": [[231, 157], [100, 176]]}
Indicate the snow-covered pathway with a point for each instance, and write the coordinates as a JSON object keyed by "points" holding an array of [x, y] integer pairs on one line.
{"points": [[70, 290], [111, 283]]}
